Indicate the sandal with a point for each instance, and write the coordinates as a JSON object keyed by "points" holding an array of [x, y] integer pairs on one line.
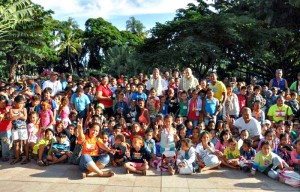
{"points": [[25, 161], [40, 163], [16, 161]]}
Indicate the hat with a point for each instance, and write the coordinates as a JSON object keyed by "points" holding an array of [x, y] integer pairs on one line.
{"points": [[267, 122], [54, 73]]}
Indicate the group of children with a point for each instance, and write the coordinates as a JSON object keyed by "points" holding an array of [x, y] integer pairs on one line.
{"points": [[45, 129]]}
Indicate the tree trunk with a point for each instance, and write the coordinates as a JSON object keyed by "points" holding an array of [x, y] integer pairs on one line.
{"points": [[12, 62]]}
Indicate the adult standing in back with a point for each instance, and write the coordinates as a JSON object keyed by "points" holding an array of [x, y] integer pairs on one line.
{"points": [[278, 81], [53, 83], [104, 96]]}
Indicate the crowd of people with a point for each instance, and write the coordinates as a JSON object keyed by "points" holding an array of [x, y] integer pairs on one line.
{"points": [[172, 122]]}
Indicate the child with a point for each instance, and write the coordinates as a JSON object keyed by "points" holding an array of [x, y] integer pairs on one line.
{"points": [[47, 98], [213, 133], [183, 104], [194, 108], [223, 143], [295, 156], [285, 148], [150, 143], [232, 154], [46, 116], [43, 147], [211, 109], [60, 150], [153, 103], [64, 111], [267, 162], [189, 127], [121, 107], [118, 159], [138, 157], [186, 157], [206, 156], [247, 155], [136, 130], [195, 137], [244, 135], [182, 135], [18, 116], [34, 133], [293, 103], [168, 137], [273, 141]]}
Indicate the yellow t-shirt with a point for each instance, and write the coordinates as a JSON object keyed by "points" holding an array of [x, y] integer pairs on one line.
{"points": [[44, 142], [91, 146], [218, 90], [232, 154], [279, 113]]}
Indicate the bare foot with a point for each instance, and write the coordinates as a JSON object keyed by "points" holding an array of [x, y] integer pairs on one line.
{"points": [[171, 170], [144, 172]]}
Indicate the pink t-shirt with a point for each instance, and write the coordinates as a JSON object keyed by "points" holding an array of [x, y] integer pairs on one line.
{"points": [[220, 147], [295, 157], [65, 112], [45, 117], [33, 133]]}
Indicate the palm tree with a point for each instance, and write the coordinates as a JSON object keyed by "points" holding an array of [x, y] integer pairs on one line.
{"points": [[69, 43], [135, 27]]}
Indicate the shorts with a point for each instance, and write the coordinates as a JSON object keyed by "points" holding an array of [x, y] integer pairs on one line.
{"points": [[136, 165], [86, 160], [19, 134]]}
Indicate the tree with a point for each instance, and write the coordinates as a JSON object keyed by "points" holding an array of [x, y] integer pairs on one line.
{"points": [[99, 35], [136, 27], [69, 43], [24, 35]]}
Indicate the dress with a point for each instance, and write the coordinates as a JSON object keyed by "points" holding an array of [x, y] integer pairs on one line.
{"points": [[206, 155], [167, 142], [19, 129]]}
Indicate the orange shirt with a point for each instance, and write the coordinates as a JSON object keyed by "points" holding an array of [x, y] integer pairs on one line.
{"points": [[91, 146]]}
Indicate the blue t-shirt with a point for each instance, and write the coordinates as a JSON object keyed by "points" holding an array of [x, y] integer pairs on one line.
{"points": [[80, 102]]}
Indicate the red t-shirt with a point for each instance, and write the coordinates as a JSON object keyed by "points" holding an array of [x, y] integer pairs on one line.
{"points": [[193, 114], [106, 92], [5, 124]]}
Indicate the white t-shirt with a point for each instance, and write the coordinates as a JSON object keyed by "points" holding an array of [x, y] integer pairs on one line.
{"points": [[55, 86], [253, 126]]}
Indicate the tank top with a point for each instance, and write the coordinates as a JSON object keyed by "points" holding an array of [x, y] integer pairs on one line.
{"points": [[167, 139], [280, 84], [210, 106], [142, 118], [18, 123]]}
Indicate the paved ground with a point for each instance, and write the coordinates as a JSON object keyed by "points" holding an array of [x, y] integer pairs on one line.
{"points": [[66, 178]]}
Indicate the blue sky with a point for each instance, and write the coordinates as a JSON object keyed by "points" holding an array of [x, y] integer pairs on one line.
{"points": [[116, 12]]}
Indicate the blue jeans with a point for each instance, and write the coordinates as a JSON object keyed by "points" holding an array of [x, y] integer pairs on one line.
{"points": [[86, 160], [5, 137]]}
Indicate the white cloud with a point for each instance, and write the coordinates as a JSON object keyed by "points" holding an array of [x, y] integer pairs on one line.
{"points": [[109, 8]]}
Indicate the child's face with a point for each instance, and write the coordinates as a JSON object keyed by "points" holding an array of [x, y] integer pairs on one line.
{"points": [[105, 138], [98, 111], [226, 137], [201, 126], [19, 104], [189, 125], [71, 130], [182, 133], [168, 122], [232, 146], [288, 129], [266, 149], [184, 146], [117, 131], [298, 146], [285, 140], [246, 147], [244, 135], [117, 141], [136, 144], [61, 140], [209, 94], [153, 93], [49, 135], [213, 133], [184, 96], [33, 118], [47, 95], [136, 128], [149, 136], [195, 133], [211, 126], [205, 138], [280, 130], [270, 137], [36, 102]]}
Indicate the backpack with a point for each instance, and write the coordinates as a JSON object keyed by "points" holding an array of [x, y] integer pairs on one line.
{"points": [[290, 178]]}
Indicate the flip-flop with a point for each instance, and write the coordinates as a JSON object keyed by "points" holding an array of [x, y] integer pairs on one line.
{"points": [[25, 161], [16, 161], [40, 163]]}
